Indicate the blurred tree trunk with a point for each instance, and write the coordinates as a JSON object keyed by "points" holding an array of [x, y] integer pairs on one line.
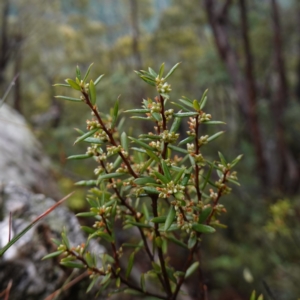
{"points": [[4, 54], [135, 34], [243, 83], [288, 175]]}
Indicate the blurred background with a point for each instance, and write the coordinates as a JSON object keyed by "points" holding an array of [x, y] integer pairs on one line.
{"points": [[247, 53]]}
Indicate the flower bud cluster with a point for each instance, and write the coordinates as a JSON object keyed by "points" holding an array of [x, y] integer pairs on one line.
{"points": [[169, 114], [98, 170], [162, 86], [156, 145], [103, 211], [204, 117], [111, 150], [101, 134], [169, 137], [154, 107], [225, 190], [202, 140], [169, 189], [199, 159], [92, 150], [92, 124], [192, 126], [232, 175], [101, 157]]}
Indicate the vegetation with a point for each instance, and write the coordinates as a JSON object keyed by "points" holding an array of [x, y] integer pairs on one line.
{"points": [[163, 186]]}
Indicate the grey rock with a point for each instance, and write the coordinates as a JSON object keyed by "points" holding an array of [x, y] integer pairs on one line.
{"points": [[32, 278], [21, 156]]}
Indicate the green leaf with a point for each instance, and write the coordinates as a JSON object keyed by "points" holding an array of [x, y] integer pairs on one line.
{"points": [[98, 79], [138, 111], [161, 177], [261, 297], [91, 284], [166, 170], [149, 81], [170, 218], [109, 176], [73, 84], [143, 284], [71, 264], [222, 158], [236, 160], [172, 70], [158, 241], [79, 156], [216, 135], [192, 268], [115, 113], [186, 114], [68, 98], [175, 124], [150, 190], [253, 295], [204, 214], [86, 182], [152, 72], [160, 219], [86, 214], [61, 84], [196, 105], [92, 91], [78, 73], [87, 72], [53, 254], [212, 122], [130, 265], [142, 144], [153, 155], [144, 180], [86, 135], [105, 278], [179, 175], [175, 148], [124, 141], [203, 99], [138, 224], [186, 140], [161, 70], [192, 241], [203, 228], [187, 103], [207, 177], [176, 241]]}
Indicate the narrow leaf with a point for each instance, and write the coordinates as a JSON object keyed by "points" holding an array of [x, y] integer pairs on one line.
{"points": [[73, 84], [203, 228], [166, 170], [98, 79], [79, 156], [203, 99], [86, 135], [170, 218], [191, 269], [214, 136], [175, 124], [68, 98], [185, 114], [53, 254], [161, 70], [92, 91], [130, 264], [172, 70], [87, 72]]}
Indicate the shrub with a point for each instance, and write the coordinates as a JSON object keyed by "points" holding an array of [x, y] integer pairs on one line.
{"points": [[158, 183]]}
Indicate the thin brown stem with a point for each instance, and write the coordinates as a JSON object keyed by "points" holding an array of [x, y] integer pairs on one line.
{"points": [[197, 169], [108, 132], [159, 250]]}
